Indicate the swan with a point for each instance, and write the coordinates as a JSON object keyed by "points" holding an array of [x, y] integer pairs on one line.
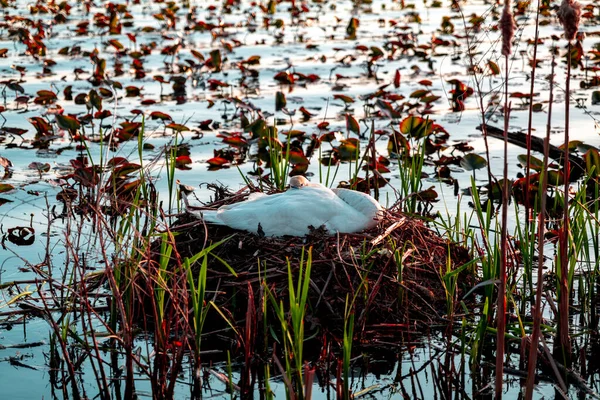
{"points": [[303, 205]]}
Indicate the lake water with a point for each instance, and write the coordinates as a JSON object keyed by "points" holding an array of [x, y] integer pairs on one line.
{"points": [[315, 43]]}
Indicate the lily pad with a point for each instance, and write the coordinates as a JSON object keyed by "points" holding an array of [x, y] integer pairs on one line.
{"points": [[472, 162]]}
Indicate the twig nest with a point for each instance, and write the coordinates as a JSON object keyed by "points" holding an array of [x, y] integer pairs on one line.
{"points": [[392, 270]]}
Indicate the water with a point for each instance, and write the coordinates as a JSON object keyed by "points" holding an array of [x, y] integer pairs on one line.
{"points": [[329, 53]]}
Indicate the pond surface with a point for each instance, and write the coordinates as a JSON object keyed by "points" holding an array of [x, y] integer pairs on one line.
{"points": [[369, 73]]}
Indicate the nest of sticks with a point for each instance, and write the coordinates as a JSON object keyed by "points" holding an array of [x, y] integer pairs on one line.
{"points": [[392, 271]]}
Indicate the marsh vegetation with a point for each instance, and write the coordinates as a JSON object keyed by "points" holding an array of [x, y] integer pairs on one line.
{"points": [[473, 123]]}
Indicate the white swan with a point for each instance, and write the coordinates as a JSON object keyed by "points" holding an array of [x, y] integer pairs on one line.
{"points": [[292, 212]]}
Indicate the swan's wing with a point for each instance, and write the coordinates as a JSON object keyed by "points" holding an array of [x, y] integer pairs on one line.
{"points": [[246, 215], [365, 211], [360, 201], [291, 213], [252, 197], [256, 195]]}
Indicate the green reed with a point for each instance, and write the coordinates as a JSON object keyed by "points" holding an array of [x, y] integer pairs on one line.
{"points": [[348, 339], [410, 170], [527, 244], [279, 159], [292, 330], [488, 271]]}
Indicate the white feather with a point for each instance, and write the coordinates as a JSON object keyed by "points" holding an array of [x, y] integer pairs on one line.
{"points": [[293, 212]]}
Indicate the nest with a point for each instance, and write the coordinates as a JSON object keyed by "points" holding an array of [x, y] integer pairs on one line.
{"points": [[392, 271]]}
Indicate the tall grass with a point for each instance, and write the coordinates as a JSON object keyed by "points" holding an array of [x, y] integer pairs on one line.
{"points": [[410, 169], [292, 330], [348, 339]]}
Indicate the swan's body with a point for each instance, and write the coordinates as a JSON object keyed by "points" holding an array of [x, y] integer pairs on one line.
{"points": [[304, 205]]}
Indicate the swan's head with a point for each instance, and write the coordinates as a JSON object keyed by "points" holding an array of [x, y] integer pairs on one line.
{"points": [[298, 181]]}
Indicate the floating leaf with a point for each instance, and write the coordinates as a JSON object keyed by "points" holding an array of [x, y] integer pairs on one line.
{"points": [[217, 162], [429, 99], [323, 125], [236, 141], [284, 77], [472, 161], [494, 69], [330, 137], [417, 94], [348, 149], [428, 195], [116, 44], [294, 133], [573, 144], [13, 131], [296, 157], [555, 178], [15, 87], [125, 169], [280, 101], [160, 115], [252, 60], [352, 124], [305, 113], [299, 169], [519, 95], [39, 167], [379, 167], [115, 161], [398, 144], [397, 78], [216, 60], [102, 114], [538, 107], [387, 109], [376, 53], [6, 187], [182, 162], [416, 127], [205, 125], [45, 97], [5, 163], [132, 91], [592, 162], [178, 127], [80, 99], [346, 99], [214, 84], [534, 162], [95, 100], [197, 55], [67, 122]]}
